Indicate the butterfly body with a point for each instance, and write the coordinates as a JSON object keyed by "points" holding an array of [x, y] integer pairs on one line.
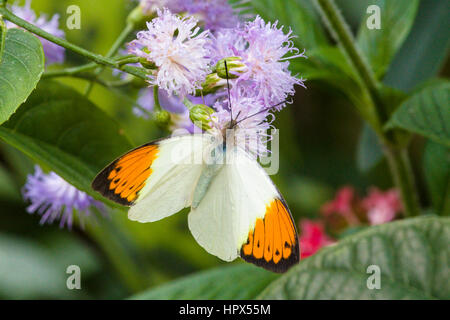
{"points": [[209, 171]]}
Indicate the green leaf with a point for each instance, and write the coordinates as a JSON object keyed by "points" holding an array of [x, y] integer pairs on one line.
{"points": [[425, 49], [436, 165], [21, 67], [62, 130], [297, 14], [29, 270], [242, 281], [380, 45], [412, 256], [426, 112], [369, 152]]}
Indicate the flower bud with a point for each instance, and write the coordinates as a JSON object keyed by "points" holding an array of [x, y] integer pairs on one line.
{"points": [[212, 83], [137, 83], [200, 115], [162, 118], [234, 66]]}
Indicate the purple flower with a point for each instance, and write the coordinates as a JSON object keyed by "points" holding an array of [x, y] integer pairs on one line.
{"points": [[251, 131], [53, 52], [212, 14], [265, 50], [55, 199], [151, 6], [178, 49]]}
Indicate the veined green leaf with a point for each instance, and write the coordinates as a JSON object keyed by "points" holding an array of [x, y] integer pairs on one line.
{"points": [[21, 66], [412, 257], [242, 281], [380, 45], [426, 112]]}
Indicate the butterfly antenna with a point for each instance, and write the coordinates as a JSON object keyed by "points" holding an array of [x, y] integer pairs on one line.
{"points": [[228, 89], [264, 110]]}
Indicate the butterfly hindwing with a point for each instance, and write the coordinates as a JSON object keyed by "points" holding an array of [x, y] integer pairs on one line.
{"points": [[243, 214], [273, 242]]}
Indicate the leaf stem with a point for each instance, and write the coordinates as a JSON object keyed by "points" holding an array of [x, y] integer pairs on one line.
{"points": [[59, 41], [398, 160], [342, 34], [72, 71]]}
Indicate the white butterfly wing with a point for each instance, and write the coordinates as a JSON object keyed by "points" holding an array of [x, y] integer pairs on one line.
{"points": [[243, 214], [156, 179]]}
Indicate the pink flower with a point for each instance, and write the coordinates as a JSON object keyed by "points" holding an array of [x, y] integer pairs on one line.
{"points": [[313, 237], [342, 204], [382, 206]]}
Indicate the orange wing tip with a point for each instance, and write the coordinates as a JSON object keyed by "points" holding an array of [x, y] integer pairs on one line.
{"points": [[273, 242], [122, 180]]}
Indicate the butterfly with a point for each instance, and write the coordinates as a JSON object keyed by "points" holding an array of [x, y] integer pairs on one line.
{"points": [[236, 210]]}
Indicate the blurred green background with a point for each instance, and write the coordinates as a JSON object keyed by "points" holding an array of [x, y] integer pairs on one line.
{"points": [[319, 136]]}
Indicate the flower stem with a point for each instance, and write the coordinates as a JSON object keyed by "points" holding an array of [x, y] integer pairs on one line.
{"points": [[97, 58], [59, 41], [403, 176], [157, 106], [112, 51], [398, 160], [73, 71]]}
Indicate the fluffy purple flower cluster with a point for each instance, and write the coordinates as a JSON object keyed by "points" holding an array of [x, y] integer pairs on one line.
{"points": [[55, 199], [53, 52], [187, 52], [212, 15]]}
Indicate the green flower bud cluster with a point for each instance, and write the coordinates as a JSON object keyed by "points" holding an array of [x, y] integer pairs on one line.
{"points": [[200, 115], [212, 83], [234, 66]]}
